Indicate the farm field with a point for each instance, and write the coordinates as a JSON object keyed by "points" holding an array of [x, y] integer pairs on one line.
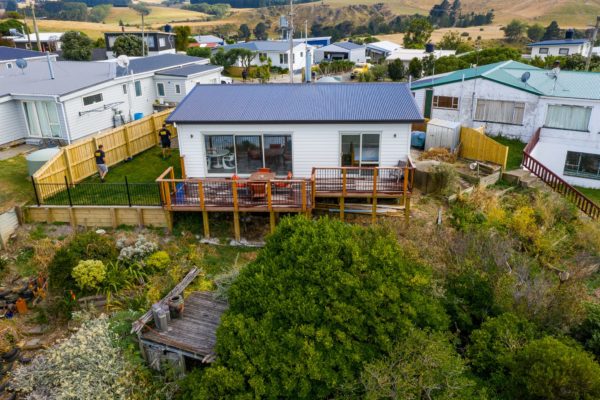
{"points": [[158, 15], [487, 32]]}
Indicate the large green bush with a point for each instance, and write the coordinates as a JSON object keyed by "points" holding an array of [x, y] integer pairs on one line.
{"points": [[89, 274], [322, 299]]}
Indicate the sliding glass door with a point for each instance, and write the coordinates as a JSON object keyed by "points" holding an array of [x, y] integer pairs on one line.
{"points": [[360, 150], [42, 118]]}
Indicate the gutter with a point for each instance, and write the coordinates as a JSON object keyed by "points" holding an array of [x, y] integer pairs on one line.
{"points": [[64, 114]]}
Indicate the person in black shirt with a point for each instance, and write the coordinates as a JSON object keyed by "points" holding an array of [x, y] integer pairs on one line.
{"points": [[165, 140], [100, 162]]}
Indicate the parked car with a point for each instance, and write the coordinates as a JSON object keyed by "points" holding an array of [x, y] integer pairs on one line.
{"points": [[359, 68], [225, 80]]}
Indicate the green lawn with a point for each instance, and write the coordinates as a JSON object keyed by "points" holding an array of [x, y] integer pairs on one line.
{"points": [[593, 194], [515, 151], [141, 173], [15, 186]]}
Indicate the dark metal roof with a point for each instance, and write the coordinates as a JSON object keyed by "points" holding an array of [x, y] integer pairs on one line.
{"points": [[558, 42], [349, 45], [189, 70], [162, 61], [298, 103], [12, 53]]}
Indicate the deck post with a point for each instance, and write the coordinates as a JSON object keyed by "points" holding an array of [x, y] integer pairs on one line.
{"points": [[270, 207], [169, 218], [344, 180], [405, 186], [167, 192], [173, 183], [303, 196], [205, 224], [374, 207], [272, 220], [407, 209], [182, 163], [236, 214], [342, 201]]}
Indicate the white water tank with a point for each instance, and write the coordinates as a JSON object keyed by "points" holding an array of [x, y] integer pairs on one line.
{"points": [[38, 158]]}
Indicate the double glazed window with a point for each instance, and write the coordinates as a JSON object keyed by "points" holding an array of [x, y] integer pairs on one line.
{"points": [[42, 118], [543, 50], [138, 88], [160, 89], [575, 118], [445, 102], [283, 58], [245, 154], [563, 51], [582, 164], [93, 99], [360, 150], [503, 112]]}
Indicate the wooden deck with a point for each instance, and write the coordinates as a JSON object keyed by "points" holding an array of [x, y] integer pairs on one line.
{"points": [[195, 333]]}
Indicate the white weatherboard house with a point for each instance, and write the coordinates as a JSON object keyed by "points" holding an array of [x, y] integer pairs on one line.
{"points": [[236, 129], [277, 51], [561, 47], [342, 51], [71, 99], [514, 99]]}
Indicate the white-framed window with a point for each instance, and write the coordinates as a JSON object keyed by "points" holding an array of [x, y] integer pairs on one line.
{"points": [[446, 102], [574, 118], [124, 87], [543, 50], [563, 51], [138, 88], [42, 118], [262, 55], [500, 111], [160, 89], [360, 149], [246, 153], [584, 165], [93, 99], [162, 42], [177, 88], [9, 65], [283, 58]]}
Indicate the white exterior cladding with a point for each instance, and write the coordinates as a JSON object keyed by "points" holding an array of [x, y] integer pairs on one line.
{"points": [[279, 58], [555, 50], [185, 84], [554, 144], [313, 145], [333, 52]]}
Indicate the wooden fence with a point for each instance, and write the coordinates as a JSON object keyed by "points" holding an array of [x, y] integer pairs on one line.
{"points": [[475, 145], [100, 216], [77, 162]]}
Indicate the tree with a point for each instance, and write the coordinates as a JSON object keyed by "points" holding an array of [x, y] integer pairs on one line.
{"points": [[415, 68], [515, 30], [8, 24], [422, 365], [243, 56], [221, 58], [76, 46], [245, 32], [492, 55], [552, 31], [379, 72], [550, 369], [142, 10], [99, 13], [182, 37], [450, 41], [129, 45], [396, 70], [418, 33], [449, 64], [535, 32], [260, 31], [203, 52], [321, 300]]}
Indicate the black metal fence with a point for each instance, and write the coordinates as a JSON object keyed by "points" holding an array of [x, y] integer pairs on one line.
{"points": [[98, 194]]}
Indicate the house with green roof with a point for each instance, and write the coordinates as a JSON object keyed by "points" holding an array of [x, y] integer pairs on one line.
{"points": [[515, 99]]}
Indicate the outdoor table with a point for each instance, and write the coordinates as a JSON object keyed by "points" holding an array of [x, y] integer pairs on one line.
{"points": [[216, 156], [258, 190]]}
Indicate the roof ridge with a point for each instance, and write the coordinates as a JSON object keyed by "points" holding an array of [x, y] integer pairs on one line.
{"points": [[497, 67]]}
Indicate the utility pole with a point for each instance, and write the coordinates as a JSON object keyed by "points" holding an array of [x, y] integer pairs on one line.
{"points": [[143, 42], [291, 39], [35, 27], [594, 35], [26, 29]]}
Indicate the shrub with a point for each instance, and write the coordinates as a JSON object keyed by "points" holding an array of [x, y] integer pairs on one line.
{"points": [[89, 274], [321, 299], [445, 178], [137, 251], [158, 261]]}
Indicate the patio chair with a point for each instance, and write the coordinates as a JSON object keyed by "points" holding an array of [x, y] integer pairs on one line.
{"points": [[258, 190], [229, 161]]}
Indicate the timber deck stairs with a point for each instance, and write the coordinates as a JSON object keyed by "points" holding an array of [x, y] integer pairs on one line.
{"points": [[536, 174]]}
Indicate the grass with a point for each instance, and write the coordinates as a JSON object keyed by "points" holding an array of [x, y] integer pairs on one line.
{"points": [[15, 187], [592, 194], [515, 151], [141, 173], [158, 15]]}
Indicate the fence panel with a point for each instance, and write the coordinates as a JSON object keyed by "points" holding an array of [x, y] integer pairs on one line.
{"points": [[475, 145], [100, 194], [77, 161]]}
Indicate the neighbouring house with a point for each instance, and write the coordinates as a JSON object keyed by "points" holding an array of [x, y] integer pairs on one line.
{"points": [[157, 42], [277, 51], [514, 99], [318, 41], [207, 41], [406, 55], [68, 100], [235, 129], [379, 51], [561, 47], [341, 51], [49, 41], [9, 55]]}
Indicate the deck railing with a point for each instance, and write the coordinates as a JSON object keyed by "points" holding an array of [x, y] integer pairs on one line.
{"points": [[220, 194], [363, 181], [556, 182]]}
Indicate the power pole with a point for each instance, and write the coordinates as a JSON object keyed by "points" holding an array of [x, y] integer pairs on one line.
{"points": [[291, 39], [35, 27], [594, 35], [26, 29], [143, 42]]}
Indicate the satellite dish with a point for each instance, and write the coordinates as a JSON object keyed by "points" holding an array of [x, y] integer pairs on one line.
{"points": [[123, 61], [21, 63], [525, 77]]}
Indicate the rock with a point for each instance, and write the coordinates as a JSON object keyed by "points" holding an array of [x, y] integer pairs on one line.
{"points": [[35, 330], [100, 231], [33, 344]]}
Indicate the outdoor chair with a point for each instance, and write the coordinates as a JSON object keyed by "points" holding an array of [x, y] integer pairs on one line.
{"points": [[229, 161]]}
